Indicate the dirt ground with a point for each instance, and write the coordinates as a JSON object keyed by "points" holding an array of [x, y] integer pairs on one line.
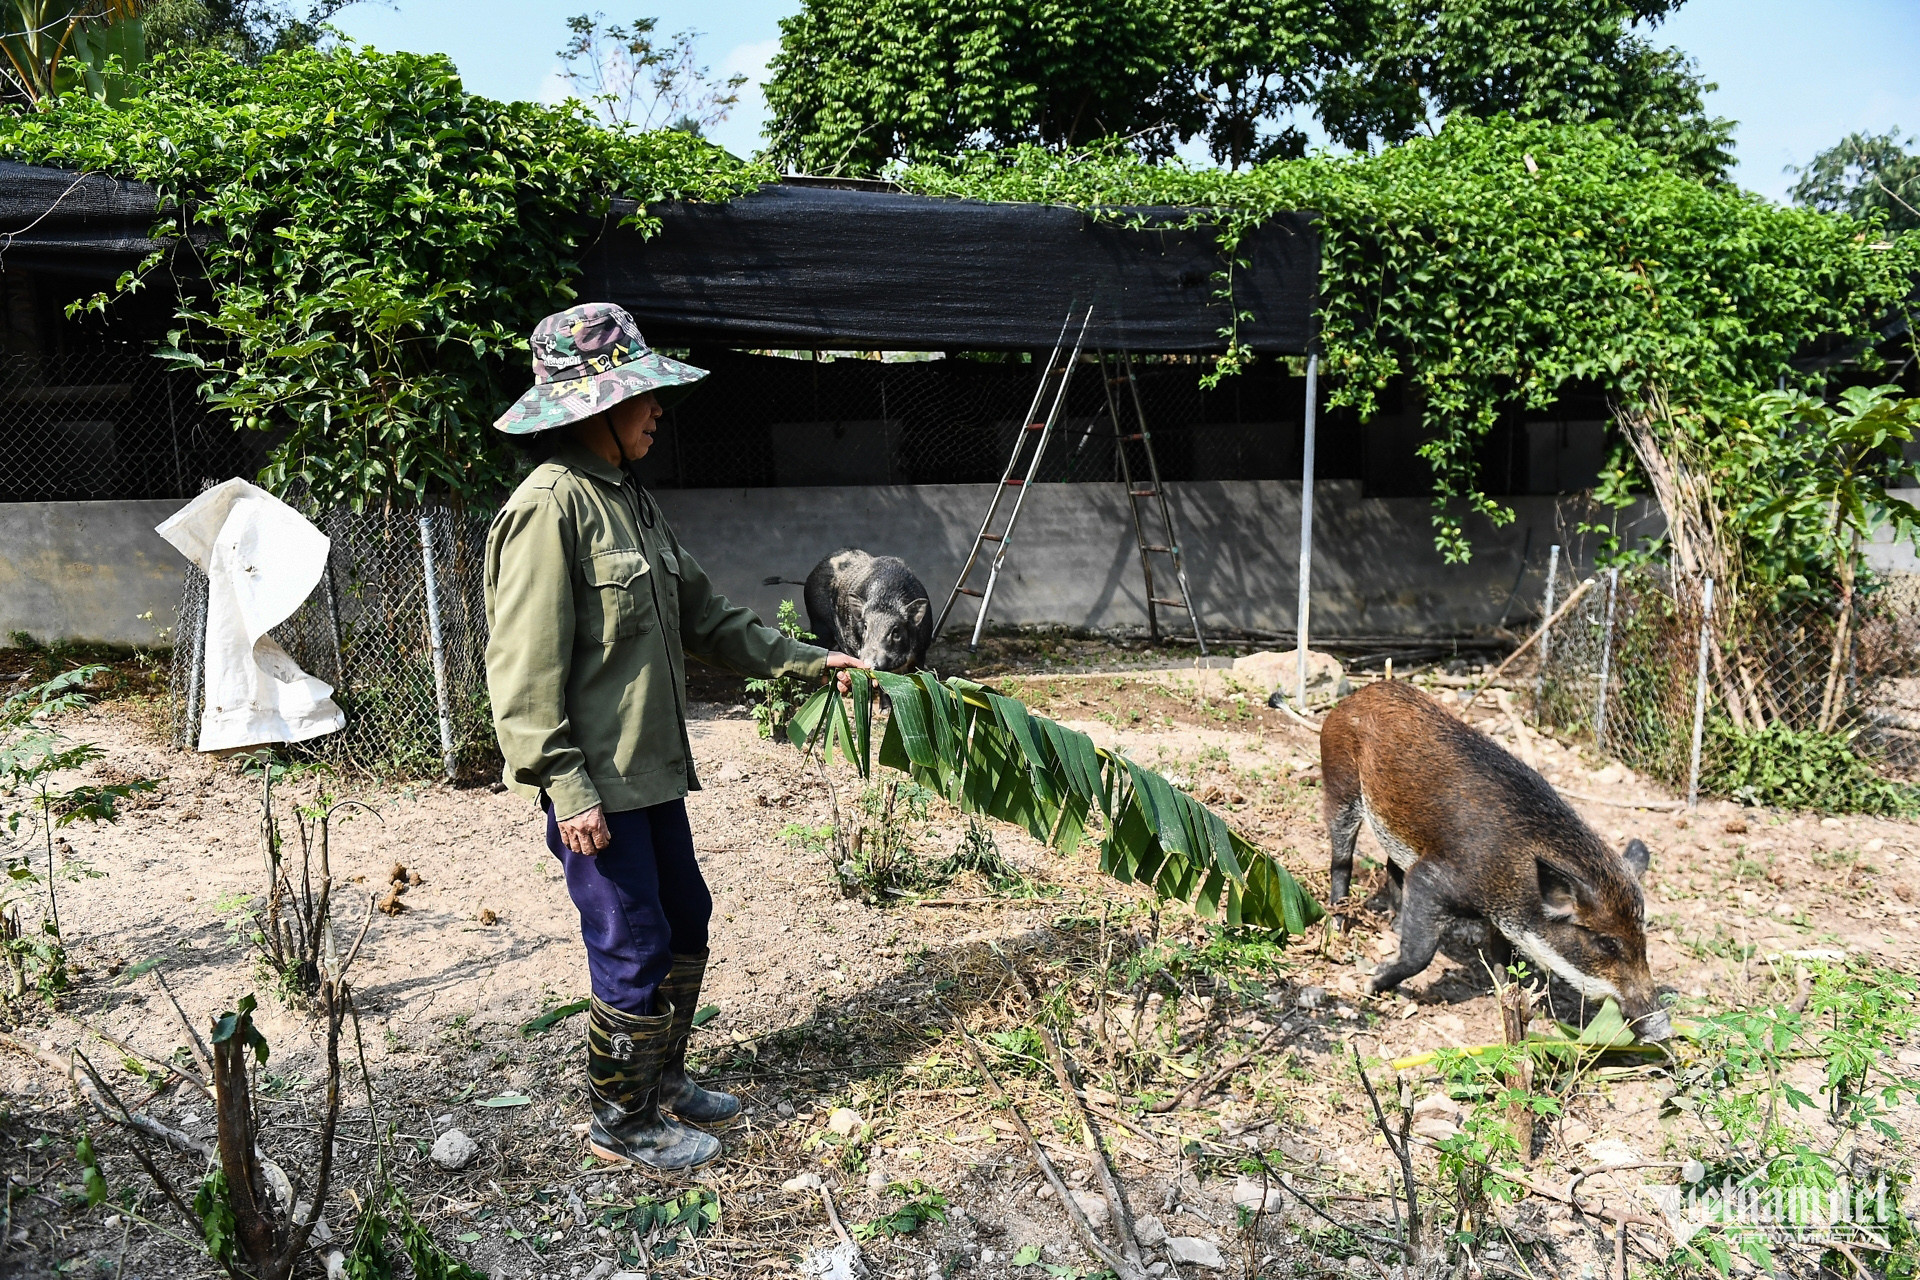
{"points": [[829, 1003]]}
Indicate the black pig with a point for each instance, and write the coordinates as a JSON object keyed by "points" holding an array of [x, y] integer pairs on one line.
{"points": [[1470, 831], [872, 607]]}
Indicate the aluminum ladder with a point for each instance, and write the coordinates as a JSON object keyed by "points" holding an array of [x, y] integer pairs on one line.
{"points": [[1018, 477], [1153, 490]]}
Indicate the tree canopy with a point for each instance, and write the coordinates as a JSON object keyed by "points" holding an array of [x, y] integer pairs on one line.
{"points": [[378, 242], [860, 84], [1865, 175]]}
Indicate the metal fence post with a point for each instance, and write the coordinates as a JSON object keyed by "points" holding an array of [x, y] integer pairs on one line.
{"points": [[1700, 697], [1546, 627], [1606, 661], [439, 647], [1306, 527]]}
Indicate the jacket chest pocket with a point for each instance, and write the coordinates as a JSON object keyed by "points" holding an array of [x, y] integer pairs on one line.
{"points": [[618, 600], [669, 584]]}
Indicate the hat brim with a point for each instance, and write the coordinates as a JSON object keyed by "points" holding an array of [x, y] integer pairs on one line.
{"points": [[546, 406]]}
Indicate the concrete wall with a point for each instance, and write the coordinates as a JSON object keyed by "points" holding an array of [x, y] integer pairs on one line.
{"points": [[1073, 560], [88, 570]]}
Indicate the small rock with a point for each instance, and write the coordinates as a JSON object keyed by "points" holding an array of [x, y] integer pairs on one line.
{"points": [[1358, 1265], [601, 1270], [1258, 1196], [442, 1121], [730, 772], [876, 1181], [1094, 1205], [1612, 1151], [336, 1266], [1311, 997], [808, 1181], [1435, 1128], [843, 1122], [1575, 1132], [453, 1150], [1150, 1230], [1437, 1105], [1196, 1252], [1692, 1171], [1735, 826], [322, 1232]]}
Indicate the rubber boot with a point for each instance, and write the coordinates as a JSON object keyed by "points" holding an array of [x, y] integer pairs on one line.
{"points": [[625, 1054], [678, 1094]]}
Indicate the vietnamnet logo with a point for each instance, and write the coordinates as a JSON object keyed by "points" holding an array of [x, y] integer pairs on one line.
{"points": [[1841, 1208]]}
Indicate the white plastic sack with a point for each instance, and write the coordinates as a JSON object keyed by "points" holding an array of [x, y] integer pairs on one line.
{"points": [[262, 559]]}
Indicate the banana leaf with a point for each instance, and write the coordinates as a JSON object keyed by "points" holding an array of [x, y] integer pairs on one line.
{"points": [[989, 754]]}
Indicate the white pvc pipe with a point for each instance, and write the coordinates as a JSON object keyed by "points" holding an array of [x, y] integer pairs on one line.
{"points": [[1306, 525]]}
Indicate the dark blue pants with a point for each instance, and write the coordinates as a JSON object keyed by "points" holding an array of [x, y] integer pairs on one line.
{"points": [[641, 899]]}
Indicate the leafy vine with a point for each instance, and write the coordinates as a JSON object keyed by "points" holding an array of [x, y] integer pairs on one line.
{"points": [[376, 241], [1495, 264]]}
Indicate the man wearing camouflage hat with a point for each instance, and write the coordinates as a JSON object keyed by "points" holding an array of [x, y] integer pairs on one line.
{"points": [[592, 607]]}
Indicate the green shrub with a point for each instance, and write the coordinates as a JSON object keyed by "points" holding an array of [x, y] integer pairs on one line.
{"points": [[1800, 769]]}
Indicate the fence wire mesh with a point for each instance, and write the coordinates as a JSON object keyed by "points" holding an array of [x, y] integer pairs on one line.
{"points": [[1623, 668], [109, 423], [397, 626]]}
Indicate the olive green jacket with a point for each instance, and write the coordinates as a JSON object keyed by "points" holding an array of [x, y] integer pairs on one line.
{"points": [[590, 616]]}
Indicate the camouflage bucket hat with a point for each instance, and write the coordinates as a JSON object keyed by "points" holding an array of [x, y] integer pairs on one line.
{"points": [[586, 359]]}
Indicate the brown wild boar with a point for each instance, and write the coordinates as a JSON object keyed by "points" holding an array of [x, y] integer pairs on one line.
{"points": [[1470, 831]]}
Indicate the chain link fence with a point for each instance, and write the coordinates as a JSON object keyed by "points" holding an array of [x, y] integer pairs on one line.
{"points": [[398, 627], [110, 423], [1676, 685]]}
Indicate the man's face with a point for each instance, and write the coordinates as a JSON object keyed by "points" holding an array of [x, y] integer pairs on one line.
{"points": [[635, 420]]}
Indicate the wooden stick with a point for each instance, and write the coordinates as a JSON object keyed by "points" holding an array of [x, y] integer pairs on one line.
{"points": [[833, 1216], [1652, 806], [126, 1048], [83, 1090], [1095, 1245], [1116, 1203], [194, 1043], [1573, 598]]}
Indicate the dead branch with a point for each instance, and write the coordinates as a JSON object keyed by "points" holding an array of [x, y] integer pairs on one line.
{"points": [[1573, 598], [1402, 1149], [1097, 1247], [833, 1216], [144, 1056], [1109, 1185], [194, 1043], [1201, 1088], [84, 1091], [160, 1180]]}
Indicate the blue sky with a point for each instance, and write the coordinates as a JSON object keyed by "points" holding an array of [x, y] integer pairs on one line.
{"points": [[1797, 75]]}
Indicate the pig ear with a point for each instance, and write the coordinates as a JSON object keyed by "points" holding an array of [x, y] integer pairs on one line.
{"points": [[1637, 858], [1559, 892], [917, 611]]}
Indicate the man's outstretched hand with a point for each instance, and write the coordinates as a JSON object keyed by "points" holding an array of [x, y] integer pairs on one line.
{"points": [[843, 663], [586, 833]]}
